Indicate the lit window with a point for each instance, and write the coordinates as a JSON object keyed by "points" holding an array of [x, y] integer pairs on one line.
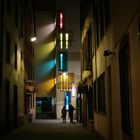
{"points": [[61, 40], [67, 40], [61, 20], [62, 61]]}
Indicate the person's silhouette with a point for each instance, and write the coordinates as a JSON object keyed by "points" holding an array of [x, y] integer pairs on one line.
{"points": [[64, 112], [71, 108]]}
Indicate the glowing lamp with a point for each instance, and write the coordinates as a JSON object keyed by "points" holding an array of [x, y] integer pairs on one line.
{"points": [[33, 39], [61, 20]]}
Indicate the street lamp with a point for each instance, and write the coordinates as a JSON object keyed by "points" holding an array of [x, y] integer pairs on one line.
{"points": [[33, 39]]}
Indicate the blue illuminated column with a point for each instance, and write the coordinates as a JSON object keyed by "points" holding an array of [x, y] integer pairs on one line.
{"points": [[62, 58], [61, 62]]}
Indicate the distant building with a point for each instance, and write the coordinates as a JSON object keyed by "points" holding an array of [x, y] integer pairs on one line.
{"points": [[57, 56]]}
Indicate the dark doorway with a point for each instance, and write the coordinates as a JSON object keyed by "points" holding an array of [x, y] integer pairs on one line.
{"points": [[7, 103], [90, 103], [125, 87], [44, 108], [15, 106]]}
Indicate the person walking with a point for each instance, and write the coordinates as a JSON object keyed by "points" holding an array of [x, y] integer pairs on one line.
{"points": [[71, 108], [63, 114]]}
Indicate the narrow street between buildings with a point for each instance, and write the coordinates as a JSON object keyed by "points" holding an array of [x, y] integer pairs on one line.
{"points": [[52, 130]]}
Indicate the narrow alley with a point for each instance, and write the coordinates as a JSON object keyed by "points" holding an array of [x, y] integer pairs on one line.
{"points": [[76, 60], [52, 129]]}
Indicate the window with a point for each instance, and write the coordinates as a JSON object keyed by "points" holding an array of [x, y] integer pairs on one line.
{"points": [[43, 105], [61, 40], [102, 19], [21, 26], [15, 56], [125, 88], [1, 41], [7, 104], [65, 81], [16, 14], [101, 93], [107, 13], [90, 103], [60, 20], [8, 46], [21, 61], [94, 95], [62, 58], [9, 6], [15, 106], [67, 40], [97, 25]]}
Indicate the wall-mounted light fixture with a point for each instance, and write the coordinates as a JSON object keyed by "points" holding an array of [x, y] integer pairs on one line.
{"points": [[33, 39], [107, 52], [138, 33]]}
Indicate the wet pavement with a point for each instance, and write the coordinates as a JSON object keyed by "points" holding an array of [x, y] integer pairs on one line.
{"points": [[53, 130]]}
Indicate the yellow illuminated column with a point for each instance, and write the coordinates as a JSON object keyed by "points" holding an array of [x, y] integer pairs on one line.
{"points": [[67, 82], [61, 82], [67, 40], [64, 80], [61, 40]]}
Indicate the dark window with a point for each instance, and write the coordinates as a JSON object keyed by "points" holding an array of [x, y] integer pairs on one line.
{"points": [[16, 14], [90, 43], [15, 106], [125, 91], [101, 8], [102, 19], [8, 47], [7, 104], [90, 103], [21, 62], [43, 104], [95, 96], [107, 13], [101, 93], [33, 100], [21, 26], [1, 39], [15, 56], [8, 6], [97, 25]]}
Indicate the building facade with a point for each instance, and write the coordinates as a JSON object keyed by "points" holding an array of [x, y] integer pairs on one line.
{"points": [[45, 60], [54, 80], [67, 54], [12, 69], [110, 63]]}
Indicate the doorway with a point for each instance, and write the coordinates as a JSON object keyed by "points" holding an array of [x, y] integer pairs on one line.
{"points": [[15, 106]]}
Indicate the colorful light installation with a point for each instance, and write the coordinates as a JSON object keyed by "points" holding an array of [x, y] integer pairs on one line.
{"points": [[64, 40], [61, 19], [67, 40], [61, 40], [61, 61], [62, 58]]}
